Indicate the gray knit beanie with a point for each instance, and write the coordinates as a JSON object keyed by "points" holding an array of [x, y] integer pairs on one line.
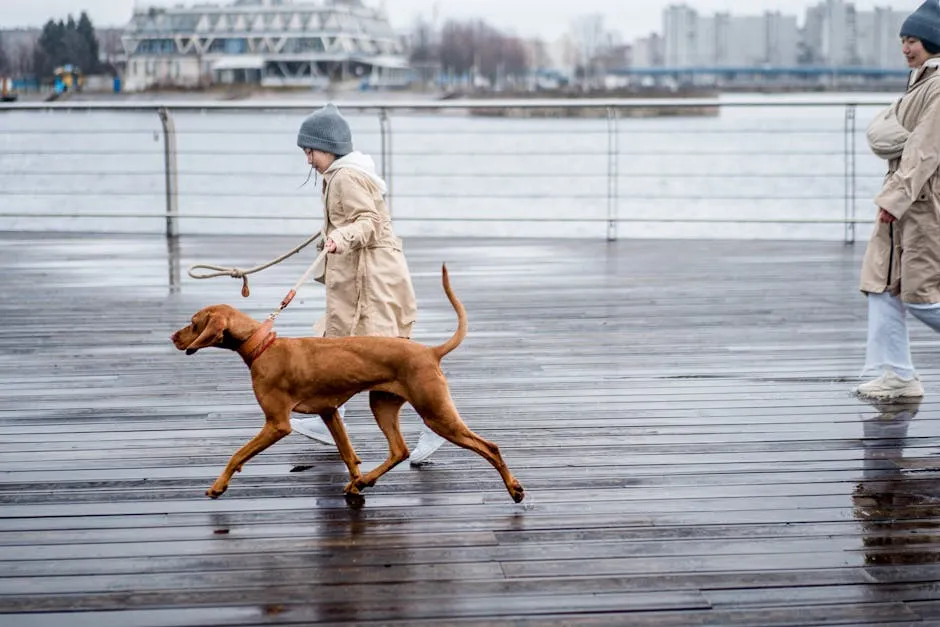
{"points": [[326, 130], [924, 24]]}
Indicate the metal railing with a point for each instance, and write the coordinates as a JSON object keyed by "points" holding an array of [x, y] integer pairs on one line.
{"points": [[592, 168]]}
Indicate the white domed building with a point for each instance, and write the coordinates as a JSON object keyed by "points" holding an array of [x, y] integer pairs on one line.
{"points": [[271, 43]]}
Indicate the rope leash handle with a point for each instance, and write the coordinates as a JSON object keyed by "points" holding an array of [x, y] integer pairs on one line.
{"points": [[235, 273], [238, 273]]}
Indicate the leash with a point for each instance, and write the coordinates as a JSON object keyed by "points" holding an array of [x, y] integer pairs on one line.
{"points": [[238, 273]]}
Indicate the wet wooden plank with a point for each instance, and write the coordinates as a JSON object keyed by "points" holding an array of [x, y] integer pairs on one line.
{"points": [[928, 611], [677, 410], [872, 614], [95, 560]]}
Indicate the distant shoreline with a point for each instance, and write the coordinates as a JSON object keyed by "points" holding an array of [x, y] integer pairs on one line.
{"points": [[220, 94]]}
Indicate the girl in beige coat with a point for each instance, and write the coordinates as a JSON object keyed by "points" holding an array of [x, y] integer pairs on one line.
{"points": [[368, 285], [901, 271]]}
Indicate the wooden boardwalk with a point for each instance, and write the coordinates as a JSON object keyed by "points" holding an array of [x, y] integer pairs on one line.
{"points": [[678, 412]]}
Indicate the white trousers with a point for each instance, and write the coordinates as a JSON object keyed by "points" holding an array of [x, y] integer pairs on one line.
{"points": [[889, 344]]}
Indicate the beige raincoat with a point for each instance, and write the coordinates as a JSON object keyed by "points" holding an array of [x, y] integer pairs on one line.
{"points": [[368, 285], [903, 257]]}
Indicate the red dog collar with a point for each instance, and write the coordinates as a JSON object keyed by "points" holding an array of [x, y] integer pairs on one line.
{"points": [[252, 348]]}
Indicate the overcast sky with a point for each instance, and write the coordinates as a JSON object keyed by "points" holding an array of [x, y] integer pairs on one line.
{"points": [[631, 18]]}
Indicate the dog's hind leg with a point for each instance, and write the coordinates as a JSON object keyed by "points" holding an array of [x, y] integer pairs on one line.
{"points": [[386, 408], [272, 431], [438, 412], [338, 430]]}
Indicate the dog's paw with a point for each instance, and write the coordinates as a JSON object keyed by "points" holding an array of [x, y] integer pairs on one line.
{"points": [[517, 492], [355, 501], [214, 492], [352, 487]]}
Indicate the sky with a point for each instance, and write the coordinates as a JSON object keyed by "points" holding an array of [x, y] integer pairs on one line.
{"points": [[547, 19]]}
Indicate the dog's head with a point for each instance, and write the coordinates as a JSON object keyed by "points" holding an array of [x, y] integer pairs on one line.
{"points": [[216, 325]]}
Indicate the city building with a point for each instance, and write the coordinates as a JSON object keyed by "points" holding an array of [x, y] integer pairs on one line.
{"points": [[836, 42], [835, 33], [877, 36], [272, 43], [725, 40], [783, 39], [839, 33], [647, 52], [680, 36]]}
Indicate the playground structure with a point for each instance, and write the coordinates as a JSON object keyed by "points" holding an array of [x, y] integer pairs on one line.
{"points": [[68, 78]]}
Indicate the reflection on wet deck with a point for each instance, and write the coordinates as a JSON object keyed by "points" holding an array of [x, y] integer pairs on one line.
{"points": [[678, 412]]}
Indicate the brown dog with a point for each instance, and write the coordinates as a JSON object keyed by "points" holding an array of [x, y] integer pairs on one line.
{"points": [[317, 375]]}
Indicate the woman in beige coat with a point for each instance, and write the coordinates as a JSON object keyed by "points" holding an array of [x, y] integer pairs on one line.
{"points": [[901, 271], [368, 285]]}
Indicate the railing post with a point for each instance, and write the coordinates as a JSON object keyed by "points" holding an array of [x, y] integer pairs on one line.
{"points": [[170, 173], [173, 263], [613, 152], [850, 179], [385, 128]]}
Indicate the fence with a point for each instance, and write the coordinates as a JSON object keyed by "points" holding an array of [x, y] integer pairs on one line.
{"points": [[784, 167]]}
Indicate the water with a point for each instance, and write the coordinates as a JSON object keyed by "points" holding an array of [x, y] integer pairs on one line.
{"points": [[451, 174]]}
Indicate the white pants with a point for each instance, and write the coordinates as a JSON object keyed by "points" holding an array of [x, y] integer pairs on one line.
{"points": [[889, 345]]}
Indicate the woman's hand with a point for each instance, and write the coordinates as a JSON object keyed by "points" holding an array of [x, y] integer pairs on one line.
{"points": [[886, 217], [330, 245]]}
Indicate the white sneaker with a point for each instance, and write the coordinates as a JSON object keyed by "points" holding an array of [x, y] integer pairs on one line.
{"points": [[428, 442], [890, 385], [313, 428]]}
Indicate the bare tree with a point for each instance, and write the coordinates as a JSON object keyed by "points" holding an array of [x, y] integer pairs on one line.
{"points": [[478, 47], [458, 47], [4, 57], [423, 45], [22, 60]]}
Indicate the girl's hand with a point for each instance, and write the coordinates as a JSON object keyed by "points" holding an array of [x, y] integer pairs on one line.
{"points": [[886, 217], [330, 245]]}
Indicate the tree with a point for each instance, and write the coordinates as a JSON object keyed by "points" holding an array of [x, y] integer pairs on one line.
{"points": [[86, 31], [67, 42], [22, 61], [5, 61], [423, 48], [77, 52], [479, 47], [458, 47], [50, 49]]}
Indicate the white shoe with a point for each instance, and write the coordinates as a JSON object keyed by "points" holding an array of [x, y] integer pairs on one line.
{"points": [[890, 385], [428, 442], [313, 428]]}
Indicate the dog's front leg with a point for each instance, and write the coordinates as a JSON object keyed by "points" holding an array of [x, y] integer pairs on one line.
{"points": [[270, 433], [338, 430]]}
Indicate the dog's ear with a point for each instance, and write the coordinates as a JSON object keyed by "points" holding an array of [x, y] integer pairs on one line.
{"points": [[210, 336]]}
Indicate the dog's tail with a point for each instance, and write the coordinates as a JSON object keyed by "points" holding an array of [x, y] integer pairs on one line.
{"points": [[461, 331]]}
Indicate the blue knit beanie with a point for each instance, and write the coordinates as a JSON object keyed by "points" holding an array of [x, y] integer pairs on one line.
{"points": [[924, 24], [326, 130]]}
